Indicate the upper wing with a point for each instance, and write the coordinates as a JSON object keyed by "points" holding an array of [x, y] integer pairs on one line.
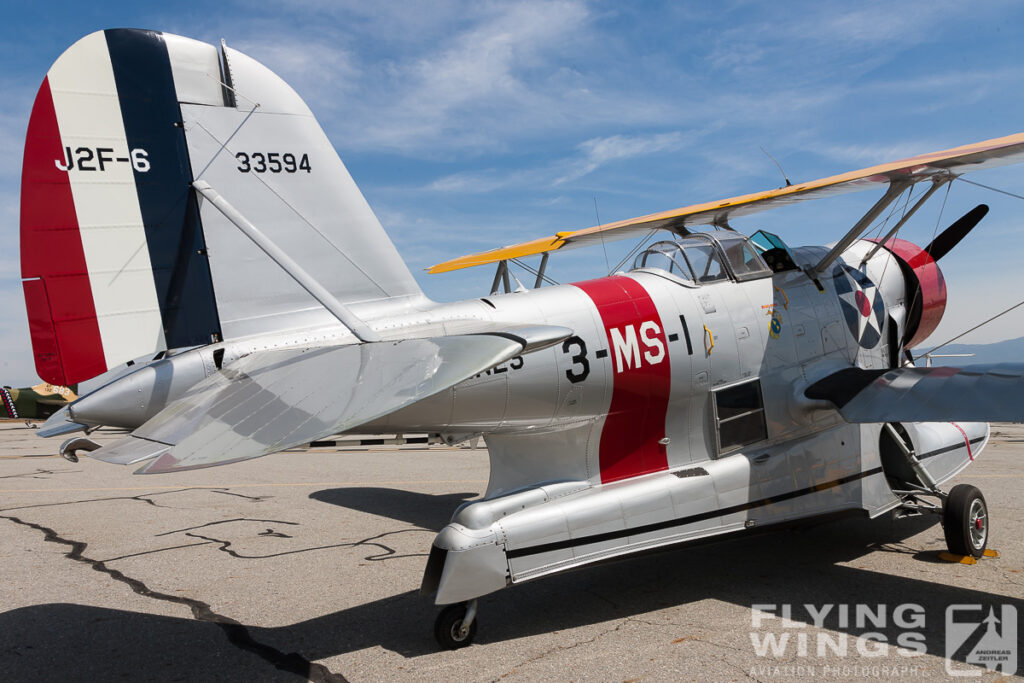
{"points": [[273, 400], [979, 393], [980, 155]]}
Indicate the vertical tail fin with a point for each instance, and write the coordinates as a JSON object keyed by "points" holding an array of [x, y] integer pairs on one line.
{"points": [[119, 257]]}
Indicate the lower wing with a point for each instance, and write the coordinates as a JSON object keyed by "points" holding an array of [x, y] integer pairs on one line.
{"points": [[981, 393]]}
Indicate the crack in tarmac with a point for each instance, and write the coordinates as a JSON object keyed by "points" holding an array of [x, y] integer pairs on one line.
{"points": [[388, 553], [255, 499], [35, 475], [236, 632], [737, 667], [561, 648], [727, 662], [601, 597], [225, 521], [140, 498], [275, 534], [153, 552]]}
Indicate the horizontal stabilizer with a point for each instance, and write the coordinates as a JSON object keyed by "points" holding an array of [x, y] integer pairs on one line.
{"points": [[128, 451], [273, 400], [980, 393], [58, 424]]}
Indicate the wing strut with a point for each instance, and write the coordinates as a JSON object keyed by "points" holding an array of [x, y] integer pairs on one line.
{"points": [[937, 182], [349, 319], [501, 278], [896, 187]]}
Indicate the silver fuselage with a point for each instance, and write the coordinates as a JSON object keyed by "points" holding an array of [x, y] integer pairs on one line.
{"points": [[617, 439]]}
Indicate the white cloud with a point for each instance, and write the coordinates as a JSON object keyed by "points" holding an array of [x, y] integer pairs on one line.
{"points": [[870, 154], [485, 72], [479, 182], [589, 156], [805, 40], [600, 151], [320, 71]]}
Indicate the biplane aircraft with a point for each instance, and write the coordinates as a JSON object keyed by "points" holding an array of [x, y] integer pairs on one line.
{"points": [[36, 402], [188, 229]]}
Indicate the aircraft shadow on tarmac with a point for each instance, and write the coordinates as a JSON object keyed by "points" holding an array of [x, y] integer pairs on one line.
{"points": [[419, 509], [796, 566], [789, 567]]}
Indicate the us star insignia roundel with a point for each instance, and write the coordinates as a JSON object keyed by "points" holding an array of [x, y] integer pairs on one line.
{"points": [[862, 305]]}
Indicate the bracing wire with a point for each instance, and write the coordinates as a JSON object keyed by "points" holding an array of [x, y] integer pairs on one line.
{"points": [[297, 212], [533, 271], [635, 250], [989, 187], [603, 246], [897, 234], [986, 322], [938, 221], [997, 315]]}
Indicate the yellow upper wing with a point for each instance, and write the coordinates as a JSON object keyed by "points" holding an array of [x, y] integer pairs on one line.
{"points": [[987, 154]]}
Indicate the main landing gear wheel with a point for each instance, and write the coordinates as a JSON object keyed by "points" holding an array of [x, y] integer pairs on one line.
{"points": [[455, 626], [965, 521]]}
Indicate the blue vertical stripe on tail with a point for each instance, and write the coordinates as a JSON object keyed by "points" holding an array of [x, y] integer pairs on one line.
{"points": [[174, 235]]}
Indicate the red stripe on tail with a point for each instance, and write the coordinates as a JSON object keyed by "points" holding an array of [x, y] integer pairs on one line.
{"points": [[65, 333], [638, 353]]}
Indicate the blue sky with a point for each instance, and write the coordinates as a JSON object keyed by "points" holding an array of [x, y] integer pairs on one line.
{"points": [[470, 125]]}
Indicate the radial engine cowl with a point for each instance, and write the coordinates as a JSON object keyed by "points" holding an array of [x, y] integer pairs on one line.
{"points": [[926, 290]]}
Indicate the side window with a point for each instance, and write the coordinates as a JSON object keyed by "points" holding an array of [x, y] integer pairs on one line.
{"points": [[668, 257], [707, 267], [739, 416]]}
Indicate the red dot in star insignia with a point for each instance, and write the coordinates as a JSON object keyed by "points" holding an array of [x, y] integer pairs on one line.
{"points": [[863, 304]]}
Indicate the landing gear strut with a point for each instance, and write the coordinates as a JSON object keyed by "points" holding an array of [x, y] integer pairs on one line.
{"points": [[455, 626], [964, 511]]}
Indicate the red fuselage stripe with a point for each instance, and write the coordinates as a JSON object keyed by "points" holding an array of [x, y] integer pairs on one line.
{"points": [[69, 349], [640, 391]]}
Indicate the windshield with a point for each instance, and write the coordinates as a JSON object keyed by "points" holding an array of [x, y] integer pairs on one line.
{"points": [[773, 251], [702, 257], [667, 256]]}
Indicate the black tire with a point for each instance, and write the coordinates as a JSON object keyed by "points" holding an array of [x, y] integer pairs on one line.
{"points": [[965, 521], [448, 625]]}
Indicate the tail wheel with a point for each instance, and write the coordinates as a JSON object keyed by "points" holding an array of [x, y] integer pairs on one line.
{"points": [[965, 521], [449, 630]]}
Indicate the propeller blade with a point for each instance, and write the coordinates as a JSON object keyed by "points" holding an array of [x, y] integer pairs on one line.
{"points": [[951, 236]]}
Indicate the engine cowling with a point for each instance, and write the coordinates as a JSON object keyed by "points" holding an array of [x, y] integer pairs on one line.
{"points": [[926, 290]]}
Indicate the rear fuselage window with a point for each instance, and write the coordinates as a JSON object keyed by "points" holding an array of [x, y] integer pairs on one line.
{"points": [[739, 416]]}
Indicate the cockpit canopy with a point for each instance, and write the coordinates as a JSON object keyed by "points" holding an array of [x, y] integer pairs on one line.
{"points": [[706, 257]]}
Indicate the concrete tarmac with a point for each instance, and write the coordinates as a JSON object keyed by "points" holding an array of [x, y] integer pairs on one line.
{"points": [[307, 564]]}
